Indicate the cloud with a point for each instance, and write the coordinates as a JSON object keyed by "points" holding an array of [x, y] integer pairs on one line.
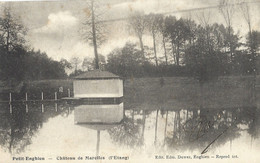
{"points": [[59, 37], [58, 23]]}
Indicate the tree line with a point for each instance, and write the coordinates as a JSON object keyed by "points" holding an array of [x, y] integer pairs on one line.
{"points": [[189, 48], [18, 62], [180, 47], [203, 50]]}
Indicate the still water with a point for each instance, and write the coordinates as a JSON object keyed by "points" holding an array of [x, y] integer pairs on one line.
{"points": [[51, 131]]}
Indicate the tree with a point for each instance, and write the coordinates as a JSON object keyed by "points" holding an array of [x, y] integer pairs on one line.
{"points": [[227, 10], [126, 61], [178, 32], [162, 30], [254, 41], [138, 23], [11, 47], [204, 19], [65, 63], [11, 32], [205, 58], [89, 63], [192, 28], [169, 23], [19, 63], [153, 26], [75, 61], [94, 29], [203, 65], [245, 9], [37, 66]]}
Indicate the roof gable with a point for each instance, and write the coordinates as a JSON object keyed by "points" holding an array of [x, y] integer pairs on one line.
{"points": [[97, 74]]}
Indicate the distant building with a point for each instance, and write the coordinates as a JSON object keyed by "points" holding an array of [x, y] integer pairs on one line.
{"points": [[98, 84]]}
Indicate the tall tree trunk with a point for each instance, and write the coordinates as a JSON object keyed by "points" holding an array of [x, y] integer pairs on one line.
{"points": [[94, 35], [11, 139], [133, 114], [178, 54], [142, 46], [155, 137], [187, 114], [154, 48], [230, 43], [253, 90], [179, 124], [173, 52], [143, 125], [165, 52], [7, 42], [165, 127], [174, 123]]}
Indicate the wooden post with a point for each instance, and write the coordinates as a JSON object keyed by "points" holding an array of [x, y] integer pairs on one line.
{"points": [[165, 128], [56, 107], [26, 105], [55, 95], [11, 109], [69, 109], [68, 92], [42, 104], [144, 118], [42, 108], [133, 114], [26, 108], [10, 100]]}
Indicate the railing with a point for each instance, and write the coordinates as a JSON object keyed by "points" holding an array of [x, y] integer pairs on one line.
{"points": [[26, 99]]}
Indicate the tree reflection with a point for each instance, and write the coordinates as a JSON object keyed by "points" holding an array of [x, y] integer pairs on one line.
{"points": [[191, 129], [128, 133], [207, 127], [18, 128]]}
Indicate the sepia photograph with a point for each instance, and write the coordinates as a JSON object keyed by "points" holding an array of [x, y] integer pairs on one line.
{"points": [[129, 81]]}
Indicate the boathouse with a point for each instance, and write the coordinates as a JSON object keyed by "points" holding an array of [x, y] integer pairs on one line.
{"points": [[98, 84]]}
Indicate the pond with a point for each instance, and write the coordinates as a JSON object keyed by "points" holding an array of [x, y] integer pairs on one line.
{"points": [[51, 131]]}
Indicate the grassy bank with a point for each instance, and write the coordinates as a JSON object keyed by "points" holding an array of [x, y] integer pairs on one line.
{"points": [[166, 93], [178, 93]]}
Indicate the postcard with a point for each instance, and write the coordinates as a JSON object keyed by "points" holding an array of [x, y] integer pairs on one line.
{"points": [[129, 81]]}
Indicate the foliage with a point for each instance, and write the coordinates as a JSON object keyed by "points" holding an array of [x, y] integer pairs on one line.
{"points": [[203, 65], [126, 61], [89, 62], [138, 24], [17, 62], [11, 32]]}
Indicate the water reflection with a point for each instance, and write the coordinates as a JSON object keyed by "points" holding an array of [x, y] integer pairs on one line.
{"points": [[105, 114], [164, 130], [18, 128], [98, 117]]}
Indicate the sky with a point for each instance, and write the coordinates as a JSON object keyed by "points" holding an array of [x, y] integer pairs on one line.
{"points": [[54, 26]]}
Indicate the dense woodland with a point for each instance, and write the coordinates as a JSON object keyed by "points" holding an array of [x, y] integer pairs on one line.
{"points": [[200, 50], [18, 61]]}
